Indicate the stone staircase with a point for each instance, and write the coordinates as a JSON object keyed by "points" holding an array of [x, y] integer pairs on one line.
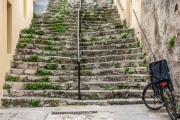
{"points": [[44, 71]]}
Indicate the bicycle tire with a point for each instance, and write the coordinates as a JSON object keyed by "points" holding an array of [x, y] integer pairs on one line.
{"points": [[170, 104], [150, 100]]}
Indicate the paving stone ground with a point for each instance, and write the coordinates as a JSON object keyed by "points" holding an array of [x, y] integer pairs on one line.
{"points": [[114, 112]]}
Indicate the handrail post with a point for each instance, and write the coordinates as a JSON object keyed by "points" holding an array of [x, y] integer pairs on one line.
{"points": [[152, 54], [78, 61]]}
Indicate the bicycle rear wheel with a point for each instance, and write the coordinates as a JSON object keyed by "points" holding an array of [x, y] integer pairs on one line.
{"points": [[170, 103], [150, 100]]}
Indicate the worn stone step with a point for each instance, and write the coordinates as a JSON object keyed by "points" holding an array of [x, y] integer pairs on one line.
{"points": [[73, 94], [86, 28], [84, 85], [92, 72], [96, 41], [73, 54], [107, 78], [11, 102], [110, 64], [65, 60], [107, 46]]}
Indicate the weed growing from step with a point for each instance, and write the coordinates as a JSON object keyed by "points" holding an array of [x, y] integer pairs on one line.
{"points": [[87, 73], [7, 87], [126, 71], [33, 58], [138, 85], [60, 27], [93, 10], [117, 64], [100, 54], [34, 103], [51, 66], [20, 45], [41, 86], [133, 64], [142, 56], [54, 104], [127, 88], [35, 15], [44, 79], [72, 56], [129, 51], [53, 60], [62, 17], [26, 40], [43, 72], [51, 48], [145, 65], [39, 32], [109, 88], [124, 35], [109, 41], [112, 1], [119, 86], [10, 78], [53, 37], [132, 72], [51, 54], [169, 42], [26, 36], [27, 31]]}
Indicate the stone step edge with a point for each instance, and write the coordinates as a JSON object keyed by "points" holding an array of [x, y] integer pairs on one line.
{"points": [[63, 102]]}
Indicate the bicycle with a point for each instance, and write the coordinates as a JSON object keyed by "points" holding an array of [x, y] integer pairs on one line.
{"points": [[158, 93]]}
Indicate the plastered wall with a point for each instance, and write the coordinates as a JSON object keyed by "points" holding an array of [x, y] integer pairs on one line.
{"points": [[12, 20]]}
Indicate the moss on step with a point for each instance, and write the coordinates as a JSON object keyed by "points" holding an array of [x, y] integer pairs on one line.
{"points": [[10, 78], [41, 86], [33, 58]]}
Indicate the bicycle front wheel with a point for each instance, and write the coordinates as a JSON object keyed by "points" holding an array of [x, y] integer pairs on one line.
{"points": [[150, 100], [170, 103]]}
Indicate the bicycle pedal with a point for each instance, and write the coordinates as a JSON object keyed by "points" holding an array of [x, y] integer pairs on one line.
{"points": [[178, 115]]}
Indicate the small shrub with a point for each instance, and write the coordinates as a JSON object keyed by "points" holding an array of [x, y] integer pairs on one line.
{"points": [[43, 72], [33, 58], [51, 66], [169, 43], [34, 103]]}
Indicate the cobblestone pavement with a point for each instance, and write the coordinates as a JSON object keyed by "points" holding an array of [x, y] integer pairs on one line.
{"points": [[114, 112]]}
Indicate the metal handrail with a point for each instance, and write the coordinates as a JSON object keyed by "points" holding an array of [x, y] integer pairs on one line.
{"points": [[152, 54], [120, 5], [78, 47]]}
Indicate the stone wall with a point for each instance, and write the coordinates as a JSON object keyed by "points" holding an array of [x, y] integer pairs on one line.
{"points": [[160, 19]]}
